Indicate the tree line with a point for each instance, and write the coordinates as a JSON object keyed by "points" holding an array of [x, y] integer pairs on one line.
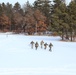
{"points": [[41, 16]]}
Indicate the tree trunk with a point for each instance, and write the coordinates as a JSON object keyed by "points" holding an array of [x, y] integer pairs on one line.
{"points": [[62, 34], [71, 35]]}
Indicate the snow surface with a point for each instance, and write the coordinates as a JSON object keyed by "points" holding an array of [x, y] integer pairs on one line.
{"points": [[17, 57]]}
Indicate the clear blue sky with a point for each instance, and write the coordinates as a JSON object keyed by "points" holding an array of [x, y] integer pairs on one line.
{"points": [[22, 1]]}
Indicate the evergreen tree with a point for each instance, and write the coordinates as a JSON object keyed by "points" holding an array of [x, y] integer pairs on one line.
{"points": [[17, 17], [4, 7], [72, 20], [1, 11], [45, 7], [59, 17], [9, 13]]}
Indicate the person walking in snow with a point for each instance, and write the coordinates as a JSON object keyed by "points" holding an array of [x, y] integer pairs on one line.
{"points": [[41, 43], [50, 46], [32, 44], [36, 45], [45, 45]]}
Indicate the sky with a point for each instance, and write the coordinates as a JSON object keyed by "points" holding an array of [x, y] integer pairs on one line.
{"points": [[14, 1], [23, 1]]}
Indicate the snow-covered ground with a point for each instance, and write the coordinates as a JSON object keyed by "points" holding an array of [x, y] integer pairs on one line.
{"points": [[17, 57]]}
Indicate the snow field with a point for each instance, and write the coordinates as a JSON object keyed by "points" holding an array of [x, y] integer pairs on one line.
{"points": [[17, 57]]}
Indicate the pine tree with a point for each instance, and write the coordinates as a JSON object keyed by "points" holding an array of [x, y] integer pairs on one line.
{"points": [[59, 17], [72, 20], [45, 7], [17, 17]]}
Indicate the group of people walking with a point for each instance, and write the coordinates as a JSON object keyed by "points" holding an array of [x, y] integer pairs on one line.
{"points": [[42, 44]]}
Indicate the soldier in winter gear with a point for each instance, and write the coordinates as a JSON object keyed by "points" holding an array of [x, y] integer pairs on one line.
{"points": [[50, 45], [45, 45], [32, 44], [41, 43], [36, 45]]}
